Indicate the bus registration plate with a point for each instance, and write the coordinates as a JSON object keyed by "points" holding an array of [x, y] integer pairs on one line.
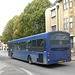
{"points": [[60, 61]]}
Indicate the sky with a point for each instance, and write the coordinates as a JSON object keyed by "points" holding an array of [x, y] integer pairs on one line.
{"points": [[10, 8]]}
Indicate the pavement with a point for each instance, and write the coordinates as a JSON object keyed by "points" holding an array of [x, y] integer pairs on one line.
{"points": [[3, 53], [73, 56]]}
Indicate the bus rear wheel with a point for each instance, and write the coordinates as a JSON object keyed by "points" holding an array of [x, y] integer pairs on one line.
{"points": [[29, 60]]}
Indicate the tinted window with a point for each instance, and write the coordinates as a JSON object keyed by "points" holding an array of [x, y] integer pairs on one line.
{"points": [[40, 43], [59, 39], [37, 45], [15, 46], [29, 43], [22, 46], [33, 43]]}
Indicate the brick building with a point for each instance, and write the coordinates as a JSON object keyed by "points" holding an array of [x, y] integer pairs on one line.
{"points": [[61, 17]]}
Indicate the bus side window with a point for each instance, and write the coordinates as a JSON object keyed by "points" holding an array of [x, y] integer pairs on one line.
{"points": [[12, 46], [34, 43], [23, 46], [15, 47], [40, 42], [18, 46], [44, 44], [29, 43]]}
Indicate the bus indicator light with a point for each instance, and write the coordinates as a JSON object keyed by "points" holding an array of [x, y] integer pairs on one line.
{"points": [[12, 44], [48, 53], [60, 43], [48, 56], [48, 60]]}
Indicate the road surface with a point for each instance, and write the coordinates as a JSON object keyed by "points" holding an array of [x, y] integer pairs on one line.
{"points": [[10, 66]]}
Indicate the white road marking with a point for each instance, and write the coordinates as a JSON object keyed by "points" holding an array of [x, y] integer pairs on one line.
{"points": [[28, 72], [1, 72]]}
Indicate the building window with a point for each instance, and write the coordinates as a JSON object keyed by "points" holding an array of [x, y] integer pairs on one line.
{"points": [[66, 23], [70, 3], [71, 22], [65, 4], [72, 42], [54, 28], [53, 13]]}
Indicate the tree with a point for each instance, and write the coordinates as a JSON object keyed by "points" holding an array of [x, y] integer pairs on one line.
{"points": [[32, 20], [37, 11], [8, 30], [0, 38]]}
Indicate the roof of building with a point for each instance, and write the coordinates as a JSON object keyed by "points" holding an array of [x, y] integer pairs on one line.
{"points": [[57, 1]]}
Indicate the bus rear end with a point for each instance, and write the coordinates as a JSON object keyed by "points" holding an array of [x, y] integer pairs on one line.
{"points": [[59, 48]]}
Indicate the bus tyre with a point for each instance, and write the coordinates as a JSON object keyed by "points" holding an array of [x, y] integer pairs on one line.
{"points": [[29, 60]]}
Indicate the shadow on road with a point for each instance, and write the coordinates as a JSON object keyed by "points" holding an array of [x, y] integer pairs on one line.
{"points": [[52, 65]]}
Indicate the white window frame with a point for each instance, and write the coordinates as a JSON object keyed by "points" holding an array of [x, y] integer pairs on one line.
{"points": [[65, 4], [70, 3], [64, 1], [53, 13], [64, 23]]}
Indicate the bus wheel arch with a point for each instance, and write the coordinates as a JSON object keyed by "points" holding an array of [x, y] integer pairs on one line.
{"points": [[29, 59]]}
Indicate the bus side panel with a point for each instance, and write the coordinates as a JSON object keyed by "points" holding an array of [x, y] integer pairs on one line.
{"points": [[38, 57], [16, 54], [24, 55], [20, 55], [33, 56]]}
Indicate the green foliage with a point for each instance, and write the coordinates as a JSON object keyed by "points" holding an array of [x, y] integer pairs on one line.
{"points": [[30, 22], [8, 30], [0, 38]]}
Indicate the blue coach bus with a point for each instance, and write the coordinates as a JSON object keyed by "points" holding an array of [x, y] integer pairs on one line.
{"points": [[46, 48]]}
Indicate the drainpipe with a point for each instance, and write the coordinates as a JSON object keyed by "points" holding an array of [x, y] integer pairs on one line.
{"points": [[57, 17]]}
